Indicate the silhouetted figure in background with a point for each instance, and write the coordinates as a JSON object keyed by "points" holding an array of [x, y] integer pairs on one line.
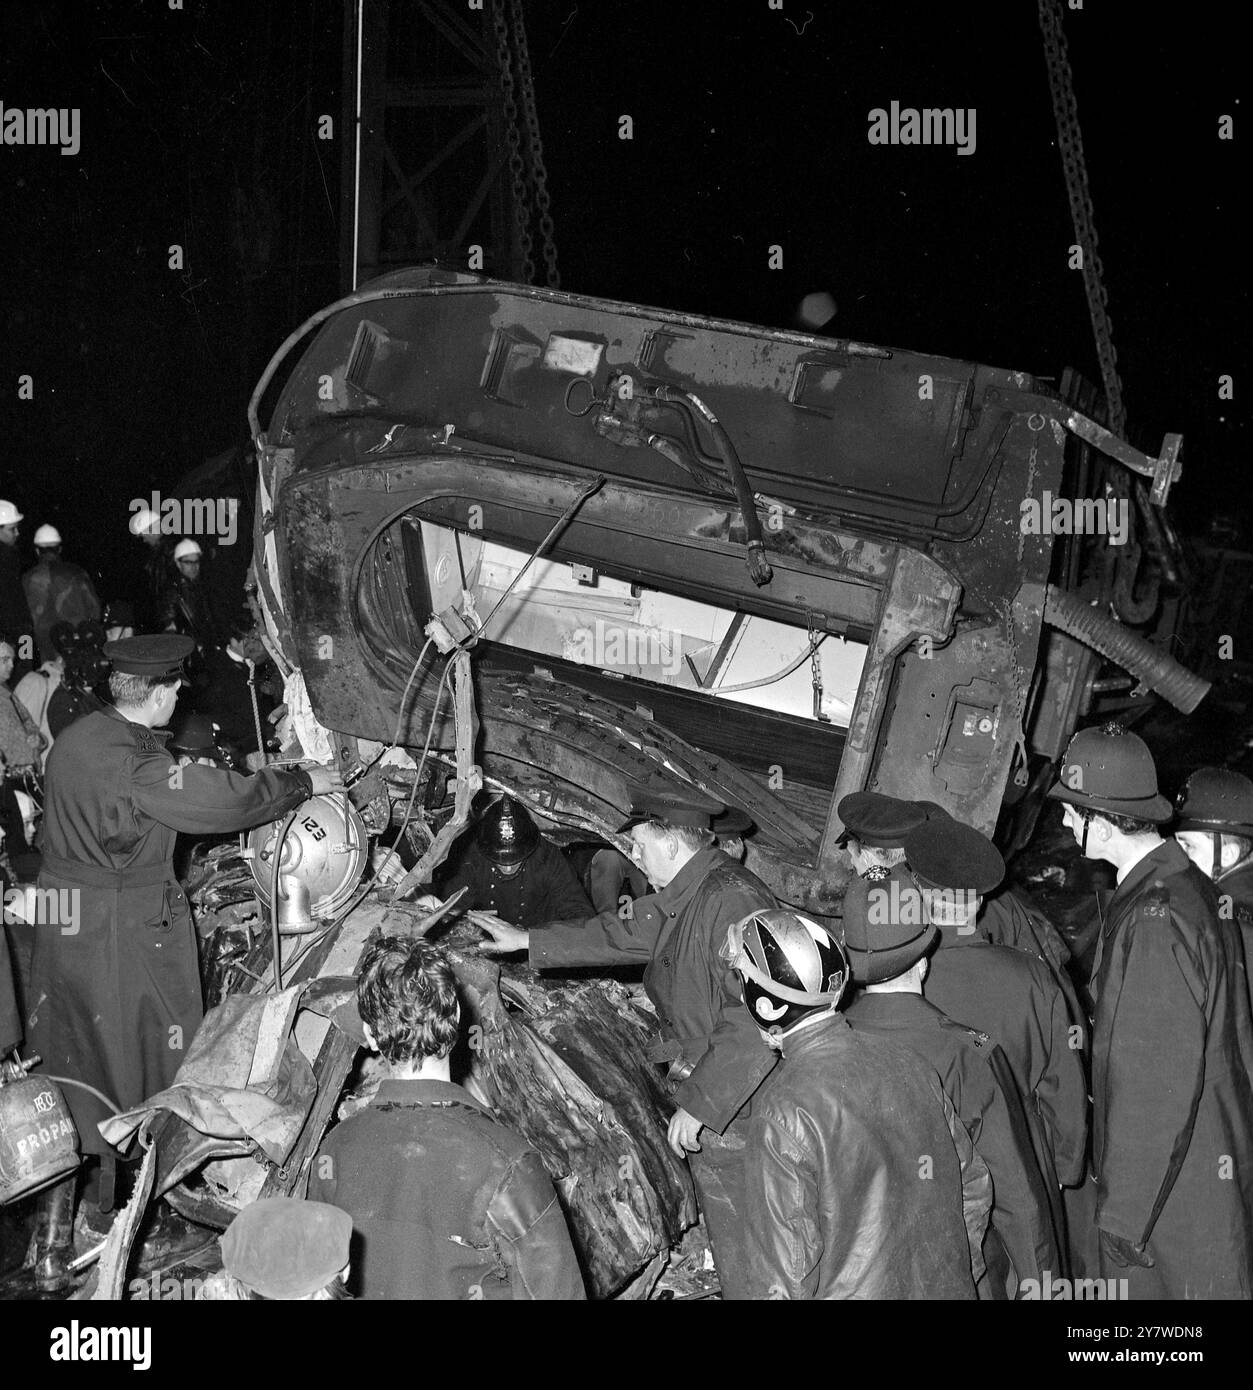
{"points": [[184, 604], [56, 591], [15, 620]]}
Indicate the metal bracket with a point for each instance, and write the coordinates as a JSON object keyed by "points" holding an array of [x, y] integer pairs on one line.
{"points": [[1164, 470]]}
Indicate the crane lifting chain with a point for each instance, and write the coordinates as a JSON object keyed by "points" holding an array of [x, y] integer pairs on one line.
{"points": [[525, 265], [1070, 144], [535, 147]]}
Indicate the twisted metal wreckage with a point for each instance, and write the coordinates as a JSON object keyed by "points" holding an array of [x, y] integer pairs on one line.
{"points": [[777, 567]]}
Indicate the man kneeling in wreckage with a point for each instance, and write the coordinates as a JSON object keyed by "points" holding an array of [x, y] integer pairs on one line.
{"points": [[716, 1055], [477, 1217]]}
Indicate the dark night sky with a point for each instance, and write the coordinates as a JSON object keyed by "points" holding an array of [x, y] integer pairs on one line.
{"points": [[198, 128]]}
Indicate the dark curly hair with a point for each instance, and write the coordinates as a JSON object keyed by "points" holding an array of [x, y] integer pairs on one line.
{"points": [[407, 993]]}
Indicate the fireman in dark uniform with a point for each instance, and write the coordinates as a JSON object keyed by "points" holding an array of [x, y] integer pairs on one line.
{"points": [[115, 991], [716, 1055], [888, 950], [511, 870], [1172, 1041], [1214, 829]]}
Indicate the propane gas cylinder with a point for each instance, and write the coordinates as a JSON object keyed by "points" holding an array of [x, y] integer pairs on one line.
{"points": [[38, 1140]]}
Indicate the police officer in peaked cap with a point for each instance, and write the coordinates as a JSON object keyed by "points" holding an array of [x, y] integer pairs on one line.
{"points": [[115, 993], [875, 826], [889, 937], [1172, 1041], [714, 1051], [1008, 994]]}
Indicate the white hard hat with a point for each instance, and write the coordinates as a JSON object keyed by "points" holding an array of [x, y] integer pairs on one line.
{"points": [[187, 550], [145, 521], [9, 514], [47, 535]]}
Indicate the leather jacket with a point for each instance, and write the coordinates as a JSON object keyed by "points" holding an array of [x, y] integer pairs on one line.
{"points": [[838, 1141]]}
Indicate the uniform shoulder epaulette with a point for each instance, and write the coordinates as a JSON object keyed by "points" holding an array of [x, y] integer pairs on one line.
{"points": [[147, 742], [1155, 902]]}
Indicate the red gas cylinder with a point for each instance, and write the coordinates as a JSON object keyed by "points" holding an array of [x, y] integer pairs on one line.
{"points": [[38, 1140]]}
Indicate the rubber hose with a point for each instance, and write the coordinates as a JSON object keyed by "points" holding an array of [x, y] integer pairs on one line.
{"points": [[1158, 670], [759, 569]]}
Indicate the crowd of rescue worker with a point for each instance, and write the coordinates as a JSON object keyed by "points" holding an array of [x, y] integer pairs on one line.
{"points": [[938, 1096], [53, 629]]}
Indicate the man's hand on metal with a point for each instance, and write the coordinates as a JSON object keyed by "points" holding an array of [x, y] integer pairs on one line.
{"points": [[684, 1132], [325, 780], [505, 938]]}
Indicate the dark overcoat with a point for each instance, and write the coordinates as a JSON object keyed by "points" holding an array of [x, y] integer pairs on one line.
{"points": [[1015, 999], [1010, 919], [115, 984], [1172, 1057], [717, 1055], [1235, 906], [977, 1079], [678, 932]]}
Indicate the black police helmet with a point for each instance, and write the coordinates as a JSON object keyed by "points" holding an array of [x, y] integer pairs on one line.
{"points": [[507, 834]]}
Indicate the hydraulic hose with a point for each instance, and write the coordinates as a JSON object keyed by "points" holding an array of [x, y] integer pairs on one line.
{"points": [[758, 566], [1158, 670]]}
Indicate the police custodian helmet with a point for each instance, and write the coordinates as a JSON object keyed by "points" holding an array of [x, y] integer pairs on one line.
{"points": [[1111, 770], [1218, 800], [507, 835]]}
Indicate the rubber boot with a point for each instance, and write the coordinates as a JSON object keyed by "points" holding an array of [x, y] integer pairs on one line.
{"points": [[54, 1236], [165, 1238]]}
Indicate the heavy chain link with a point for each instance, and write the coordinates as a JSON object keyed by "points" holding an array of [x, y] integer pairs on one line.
{"points": [[1032, 470], [517, 169], [535, 147], [1070, 145], [815, 664]]}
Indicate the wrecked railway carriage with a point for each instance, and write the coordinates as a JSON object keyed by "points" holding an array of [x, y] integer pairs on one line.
{"points": [[777, 566], [808, 569]]}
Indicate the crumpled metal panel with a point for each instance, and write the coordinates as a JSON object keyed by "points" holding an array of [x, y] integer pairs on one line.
{"points": [[890, 435], [345, 627]]}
